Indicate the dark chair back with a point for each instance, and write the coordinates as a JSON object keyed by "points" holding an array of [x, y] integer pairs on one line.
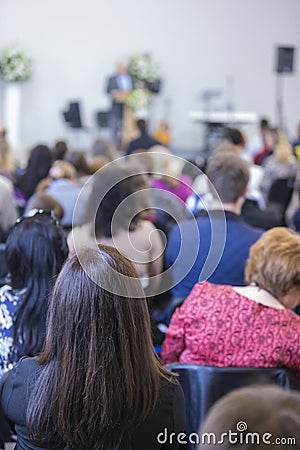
{"points": [[204, 385], [3, 266], [281, 191]]}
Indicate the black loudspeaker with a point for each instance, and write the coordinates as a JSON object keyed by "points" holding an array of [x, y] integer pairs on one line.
{"points": [[72, 115], [285, 60]]}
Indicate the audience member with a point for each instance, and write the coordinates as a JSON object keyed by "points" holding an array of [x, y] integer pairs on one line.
{"points": [[170, 188], [235, 140], [254, 210], [97, 162], [296, 143], [270, 140], [257, 142], [97, 384], [38, 167], [144, 141], [229, 174], [270, 414], [35, 251], [59, 150], [61, 185], [79, 162], [116, 203], [7, 166], [162, 133], [281, 164], [45, 202], [8, 208], [103, 147], [248, 326]]}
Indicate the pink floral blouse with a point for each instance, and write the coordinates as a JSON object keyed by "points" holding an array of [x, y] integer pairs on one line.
{"points": [[216, 326]]}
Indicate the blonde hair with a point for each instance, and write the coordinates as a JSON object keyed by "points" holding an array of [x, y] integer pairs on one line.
{"points": [[274, 261], [283, 150], [164, 162], [6, 161], [62, 169]]}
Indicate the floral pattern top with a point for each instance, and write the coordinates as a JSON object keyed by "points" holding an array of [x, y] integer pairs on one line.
{"points": [[9, 300], [216, 326]]}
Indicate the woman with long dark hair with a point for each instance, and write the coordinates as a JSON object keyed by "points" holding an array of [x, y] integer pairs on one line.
{"points": [[36, 249], [38, 167], [98, 384]]}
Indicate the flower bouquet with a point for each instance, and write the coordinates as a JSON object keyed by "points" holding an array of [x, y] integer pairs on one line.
{"points": [[14, 65]]}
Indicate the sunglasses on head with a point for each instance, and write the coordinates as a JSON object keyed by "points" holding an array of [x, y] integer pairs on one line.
{"points": [[36, 213]]}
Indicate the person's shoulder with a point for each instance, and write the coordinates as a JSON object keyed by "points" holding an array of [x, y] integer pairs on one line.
{"points": [[170, 391], [26, 368]]}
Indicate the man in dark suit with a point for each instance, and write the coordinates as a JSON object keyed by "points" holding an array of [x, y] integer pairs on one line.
{"points": [[144, 141], [118, 86], [216, 247]]}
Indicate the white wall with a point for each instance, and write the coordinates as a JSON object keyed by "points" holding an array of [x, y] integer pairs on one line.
{"points": [[198, 43]]}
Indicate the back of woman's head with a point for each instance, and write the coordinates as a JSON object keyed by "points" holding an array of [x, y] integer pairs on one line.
{"points": [[283, 150], [113, 187], [6, 162], [79, 162], [39, 161], [38, 167], [36, 249], [100, 370], [254, 417], [274, 261], [59, 150]]}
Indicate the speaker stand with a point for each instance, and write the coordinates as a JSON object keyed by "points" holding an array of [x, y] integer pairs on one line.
{"points": [[279, 102]]}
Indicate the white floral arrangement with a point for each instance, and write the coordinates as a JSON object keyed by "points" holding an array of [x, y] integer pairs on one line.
{"points": [[14, 65], [143, 68], [138, 99]]}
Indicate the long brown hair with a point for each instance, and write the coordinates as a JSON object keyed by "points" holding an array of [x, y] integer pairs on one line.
{"points": [[100, 375]]}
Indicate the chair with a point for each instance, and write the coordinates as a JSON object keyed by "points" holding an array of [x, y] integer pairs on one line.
{"points": [[204, 385], [3, 266], [280, 194]]}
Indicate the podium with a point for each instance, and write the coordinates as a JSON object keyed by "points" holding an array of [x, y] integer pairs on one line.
{"points": [[128, 129]]}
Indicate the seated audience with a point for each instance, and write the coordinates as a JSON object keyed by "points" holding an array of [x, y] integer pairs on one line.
{"points": [[37, 169], [281, 164], [144, 141], [59, 150], [8, 208], [36, 249], [296, 143], [170, 188], [79, 162], [103, 147], [7, 166], [46, 203], [162, 133], [270, 140], [270, 415], [97, 384], [229, 175], [62, 186], [248, 326], [167, 173], [257, 142], [116, 206], [97, 162]]}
